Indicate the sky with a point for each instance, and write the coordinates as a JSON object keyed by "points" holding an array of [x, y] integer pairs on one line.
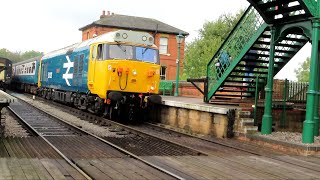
{"points": [[47, 25]]}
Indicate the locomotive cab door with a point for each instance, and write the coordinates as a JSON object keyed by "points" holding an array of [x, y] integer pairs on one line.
{"points": [[92, 65]]}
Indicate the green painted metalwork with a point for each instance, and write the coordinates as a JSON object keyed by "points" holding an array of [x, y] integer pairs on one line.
{"points": [[267, 116], [308, 124], [166, 87], [312, 6], [256, 97], [239, 41], [179, 38], [289, 43], [284, 104]]}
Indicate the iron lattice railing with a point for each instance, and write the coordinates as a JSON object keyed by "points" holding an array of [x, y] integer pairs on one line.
{"points": [[297, 92], [248, 25]]}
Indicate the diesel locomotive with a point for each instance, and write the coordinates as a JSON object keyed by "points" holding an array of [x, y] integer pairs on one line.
{"points": [[116, 74]]}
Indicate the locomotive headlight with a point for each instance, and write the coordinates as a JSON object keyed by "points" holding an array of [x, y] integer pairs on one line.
{"points": [[151, 39], [134, 72], [144, 38], [124, 35], [152, 88]]}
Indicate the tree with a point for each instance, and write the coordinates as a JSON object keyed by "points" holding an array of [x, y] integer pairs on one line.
{"points": [[31, 54], [302, 73], [18, 56], [200, 51]]}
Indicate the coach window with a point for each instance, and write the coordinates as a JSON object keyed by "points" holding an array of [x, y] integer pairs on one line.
{"points": [[33, 67], [163, 49], [88, 35]]}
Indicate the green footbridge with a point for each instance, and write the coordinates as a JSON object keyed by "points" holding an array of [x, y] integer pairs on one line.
{"points": [[264, 40]]}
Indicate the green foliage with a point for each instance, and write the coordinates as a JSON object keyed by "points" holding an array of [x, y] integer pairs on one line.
{"points": [[30, 54], [18, 56], [200, 51], [302, 73]]}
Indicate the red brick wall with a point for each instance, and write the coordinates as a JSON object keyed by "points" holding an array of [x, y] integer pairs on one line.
{"points": [[168, 60], [278, 89], [293, 118]]}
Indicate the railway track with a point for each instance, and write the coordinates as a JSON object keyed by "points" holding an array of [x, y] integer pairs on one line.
{"points": [[220, 147], [245, 160], [65, 138]]}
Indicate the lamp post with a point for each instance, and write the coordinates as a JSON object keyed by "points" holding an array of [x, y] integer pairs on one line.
{"points": [[179, 41]]}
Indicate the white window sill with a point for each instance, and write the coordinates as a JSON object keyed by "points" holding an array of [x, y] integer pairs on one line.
{"points": [[165, 54]]}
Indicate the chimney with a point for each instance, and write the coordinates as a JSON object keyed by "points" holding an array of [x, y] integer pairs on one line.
{"points": [[108, 13], [103, 14]]}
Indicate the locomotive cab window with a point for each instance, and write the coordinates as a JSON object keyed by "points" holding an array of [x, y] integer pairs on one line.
{"points": [[102, 52], [94, 52], [146, 54], [120, 51]]}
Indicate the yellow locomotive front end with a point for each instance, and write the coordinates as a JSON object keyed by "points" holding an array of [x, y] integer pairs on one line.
{"points": [[125, 71]]}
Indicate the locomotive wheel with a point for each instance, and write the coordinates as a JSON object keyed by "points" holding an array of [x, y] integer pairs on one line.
{"points": [[114, 114]]}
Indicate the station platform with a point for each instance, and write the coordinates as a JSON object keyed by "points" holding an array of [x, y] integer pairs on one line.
{"points": [[196, 104], [192, 115], [5, 98]]}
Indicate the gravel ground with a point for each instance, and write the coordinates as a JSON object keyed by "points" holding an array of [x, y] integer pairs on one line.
{"points": [[290, 137], [11, 127]]}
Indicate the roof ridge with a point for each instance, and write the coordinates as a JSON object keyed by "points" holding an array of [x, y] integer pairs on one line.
{"points": [[135, 23]]}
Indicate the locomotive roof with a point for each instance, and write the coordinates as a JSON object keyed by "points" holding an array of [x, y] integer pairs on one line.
{"points": [[107, 37], [28, 60], [135, 23]]}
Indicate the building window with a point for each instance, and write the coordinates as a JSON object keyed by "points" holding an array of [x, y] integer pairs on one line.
{"points": [[163, 72], [88, 35], [163, 45]]}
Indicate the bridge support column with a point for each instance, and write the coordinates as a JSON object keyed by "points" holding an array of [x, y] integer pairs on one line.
{"points": [[267, 116], [316, 106], [312, 94]]}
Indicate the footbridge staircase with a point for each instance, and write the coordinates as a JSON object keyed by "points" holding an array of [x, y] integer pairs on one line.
{"points": [[265, 39]]}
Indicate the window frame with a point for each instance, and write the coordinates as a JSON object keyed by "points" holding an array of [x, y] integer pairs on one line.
{"points": [[161, 46], [163, 75]]}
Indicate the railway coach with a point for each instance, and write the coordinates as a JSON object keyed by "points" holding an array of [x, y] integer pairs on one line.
{"points": [[116, 74], [25, 75], [5, 73]]}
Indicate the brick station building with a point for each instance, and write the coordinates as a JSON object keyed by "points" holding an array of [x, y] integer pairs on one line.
{"points": [[164, 35]]}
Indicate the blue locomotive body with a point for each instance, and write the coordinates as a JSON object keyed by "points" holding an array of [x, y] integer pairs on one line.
{"points": [[66, 70]]}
